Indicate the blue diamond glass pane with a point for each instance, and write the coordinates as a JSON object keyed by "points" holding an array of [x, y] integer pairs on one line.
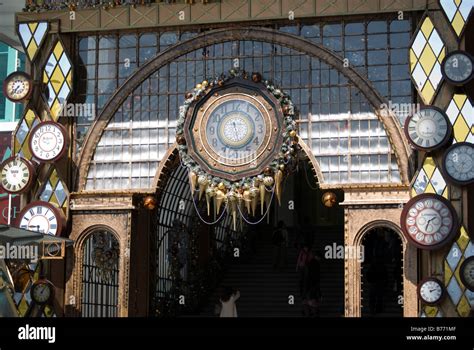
{"points": [[454, 256], [47, 192], [60, 193], [469, 250], [454, 290]]}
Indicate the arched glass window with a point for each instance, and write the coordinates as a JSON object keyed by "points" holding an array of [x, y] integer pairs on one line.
{"points": [[336, 120], [100, 261]]}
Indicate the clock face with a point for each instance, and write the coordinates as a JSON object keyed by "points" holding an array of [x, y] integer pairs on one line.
{"points": [[428, 129], [41, 217], [431, 291], [48, 141], [429, 221], [457, 67], [42, 291], [17, 86], [466, 273], [235, 130], [16, 175], [458, 163]]}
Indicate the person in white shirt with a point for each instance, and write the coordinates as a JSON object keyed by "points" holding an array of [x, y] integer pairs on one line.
{"points": [[228, 299]]}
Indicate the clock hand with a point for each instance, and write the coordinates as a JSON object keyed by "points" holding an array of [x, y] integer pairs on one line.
{"points": [[428, 223]]}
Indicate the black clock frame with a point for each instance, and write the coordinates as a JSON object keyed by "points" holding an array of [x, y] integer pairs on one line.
{"points": [[451, 235], [7, 80], [461, 273], [38, 283], [443, 291], [445, 76], [57, 212], [31, 168], [444, 169], [446, 138], [65, 137]]}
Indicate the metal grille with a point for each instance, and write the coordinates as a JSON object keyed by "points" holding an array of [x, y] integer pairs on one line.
{"points": [[176, 204], [99, 290]]}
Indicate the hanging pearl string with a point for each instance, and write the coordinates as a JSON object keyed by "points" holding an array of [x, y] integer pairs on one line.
{"points": [[202, 219], [263, 216]]}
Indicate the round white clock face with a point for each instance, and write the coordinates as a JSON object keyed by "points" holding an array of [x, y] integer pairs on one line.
{"points": [[428, 221], [431, 291], [467, 273], [17, 86], [428, 129], [457, 67], [48, 141], [235, 129], [41, 217], [16, 175], [458, 163]]}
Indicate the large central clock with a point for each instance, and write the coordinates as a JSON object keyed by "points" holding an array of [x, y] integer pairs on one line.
{"points": [[235, 130]]}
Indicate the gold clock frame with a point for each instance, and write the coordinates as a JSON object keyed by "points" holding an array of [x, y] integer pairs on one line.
{"points": [[200, 112]]}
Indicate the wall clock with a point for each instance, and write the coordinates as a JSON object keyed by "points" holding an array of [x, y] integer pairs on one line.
{"points": [[16, 175], [18, 86], [42, 291], [429, 221], [234, 131], [48, 141], [41, 217], [458, 163], [431, 291], [457, 67], [428, 129], [466, 273]]}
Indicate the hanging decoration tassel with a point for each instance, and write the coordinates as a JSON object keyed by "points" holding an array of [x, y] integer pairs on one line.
{"points": [[247, 200], [192, 181], [232, 203], [210, 193], [254, 192], [278, 180], [218, 199], [262, 197], [202, 182]]}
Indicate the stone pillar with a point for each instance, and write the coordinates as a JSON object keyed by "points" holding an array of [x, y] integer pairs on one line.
{"points": [[365, 210], [90, 212]]}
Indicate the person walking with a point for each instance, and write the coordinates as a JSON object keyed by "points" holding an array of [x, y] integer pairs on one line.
{"points": [[279, 242], [228, 298], [312, 287]]}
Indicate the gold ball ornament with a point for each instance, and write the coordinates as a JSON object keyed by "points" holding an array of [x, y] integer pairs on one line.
{"points": [[180, 140], [254, 192], [256, 77], [211, 191], [293, 133], [282, 167], [199, 86], [329, 199], [202, 180], [149, 202], [205, 83], [221, 186], [268, 181]]}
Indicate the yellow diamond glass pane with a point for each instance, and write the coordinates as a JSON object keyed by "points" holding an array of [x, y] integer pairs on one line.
{"points": [[427, 27], [58, 50], [458, 23], [427, 59]]}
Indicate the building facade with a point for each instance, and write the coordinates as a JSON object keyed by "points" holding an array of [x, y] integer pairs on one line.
{"points": [[352, 70]]}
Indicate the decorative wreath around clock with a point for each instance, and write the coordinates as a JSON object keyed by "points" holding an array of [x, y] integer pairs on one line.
{"points": [[235, 135]]}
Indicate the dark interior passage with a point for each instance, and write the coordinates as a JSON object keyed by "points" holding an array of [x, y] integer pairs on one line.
{"points": [[382, 274]]}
